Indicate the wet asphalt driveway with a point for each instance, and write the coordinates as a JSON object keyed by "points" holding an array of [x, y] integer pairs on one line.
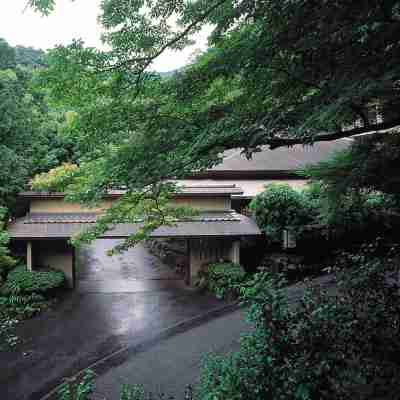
{"points": [[119, 301]]}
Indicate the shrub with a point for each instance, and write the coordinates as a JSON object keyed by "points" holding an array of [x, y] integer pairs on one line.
{"points": [[7, 337], [22, 306], [82, 389], [6, 261], [22, 281], [339, 346], [77, 389], [22, 298], [222, 279], [280, 207]]}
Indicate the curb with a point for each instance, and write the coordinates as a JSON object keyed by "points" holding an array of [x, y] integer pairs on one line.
{"points": [[117, 357]]}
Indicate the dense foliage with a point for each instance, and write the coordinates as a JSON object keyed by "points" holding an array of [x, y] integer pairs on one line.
{"points": [[222, 279], [280, 69], [6, 261], [281, 207], [275, 73], [29, 132], [18, 306], [23, 295], [329, 346], [22, 281], [358, 187], [82, 388], [29, 57]]}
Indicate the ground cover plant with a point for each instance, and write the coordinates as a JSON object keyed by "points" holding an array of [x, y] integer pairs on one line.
{"points": [[23, 295], [25, 282], [82, 388]]}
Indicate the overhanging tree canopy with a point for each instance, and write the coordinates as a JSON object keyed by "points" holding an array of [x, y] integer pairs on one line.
{"points": [[281, 71], [276, 73]]}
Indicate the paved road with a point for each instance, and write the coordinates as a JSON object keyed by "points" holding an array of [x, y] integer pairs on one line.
{"points": [[119, 302], [170, 365]]}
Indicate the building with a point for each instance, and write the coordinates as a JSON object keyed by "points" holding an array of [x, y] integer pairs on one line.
{"points": [[214, 234], [220, 194], [265, 167]]}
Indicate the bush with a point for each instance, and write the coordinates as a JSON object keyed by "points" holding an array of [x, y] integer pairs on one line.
{"points": [[77, 389], [23, 298], [222, 279], [280, 207], [342, 346], [22, 281], [22, 306], [6, 261], [82, 388]]}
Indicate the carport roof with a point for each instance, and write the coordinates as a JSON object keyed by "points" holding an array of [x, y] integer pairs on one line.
{"points": [[64, 226]]}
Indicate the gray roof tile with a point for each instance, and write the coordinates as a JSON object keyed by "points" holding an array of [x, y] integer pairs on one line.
{"points": [[45, 226]]}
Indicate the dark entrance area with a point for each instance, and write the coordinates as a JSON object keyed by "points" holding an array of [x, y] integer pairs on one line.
{"points": [[134, 270]]}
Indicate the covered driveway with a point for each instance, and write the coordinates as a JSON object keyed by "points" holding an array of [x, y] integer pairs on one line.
{"points": [[135, 270], [211, 236]]}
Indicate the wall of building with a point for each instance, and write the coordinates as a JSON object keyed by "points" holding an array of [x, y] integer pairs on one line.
{"points": [[205, 203], [55, 254], [61, 206]]}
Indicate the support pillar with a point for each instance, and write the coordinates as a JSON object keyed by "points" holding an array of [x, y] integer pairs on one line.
{"points": [[29, 256], [234, 255], [195, 260]]}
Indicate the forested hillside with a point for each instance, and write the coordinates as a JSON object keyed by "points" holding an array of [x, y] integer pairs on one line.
{"points": [[31, 133]]}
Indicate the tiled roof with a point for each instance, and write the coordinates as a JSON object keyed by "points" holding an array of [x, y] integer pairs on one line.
{"points": [[54, 218], [63, 226], [250, 187], [30, 194], [278, 161], [241, 226], [208, 190]]}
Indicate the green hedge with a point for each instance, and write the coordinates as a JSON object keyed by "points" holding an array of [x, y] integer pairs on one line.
{"points": [[222, 279], [22, 281]]}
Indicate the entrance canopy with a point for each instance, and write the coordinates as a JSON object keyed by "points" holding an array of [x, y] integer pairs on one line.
{"points": [[65, 225]]}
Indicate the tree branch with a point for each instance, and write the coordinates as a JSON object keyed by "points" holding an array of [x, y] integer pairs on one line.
{"points": [[276, 142], [149, 59]]}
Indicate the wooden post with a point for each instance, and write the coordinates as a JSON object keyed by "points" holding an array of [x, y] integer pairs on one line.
{"points": [[29, 255], [189, 257], [235, 252]]}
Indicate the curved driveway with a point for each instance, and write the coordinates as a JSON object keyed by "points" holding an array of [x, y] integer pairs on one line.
{"points": [[119, 301]]}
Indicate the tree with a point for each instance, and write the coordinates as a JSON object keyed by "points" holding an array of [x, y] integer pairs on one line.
{"points": [[275, 73], [28, 132], [301, 68], [29, 57], [281, 207], [360, 184], [7, 55]]}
